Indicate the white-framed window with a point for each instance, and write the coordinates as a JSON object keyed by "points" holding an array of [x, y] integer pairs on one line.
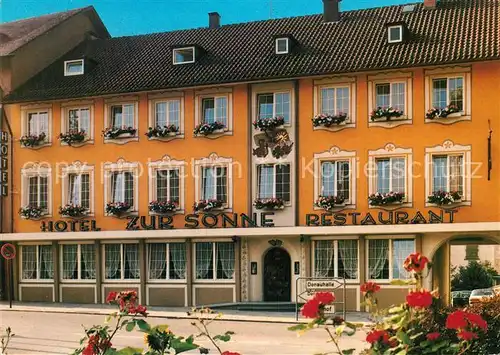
{"points": [[37, 188], [184, 55], [79, 190], [214, 260], [73, 67], [335, 178], [37, 262], [448, 90], [78, 262], [395, 33], [38, 123], [391, 94], [448, 173], [335, 100], [166, 261], [391, 174], [167, 112], [214, 109], [386, 258], [214, 184], [121, 183], [121, 262], [122, 115], [274, 181], [78, 119], [275, 104], [282, 45], [336, 258], [166, 180]]}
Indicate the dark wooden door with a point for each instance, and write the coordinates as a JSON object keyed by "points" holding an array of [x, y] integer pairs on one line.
{"points": [[277, 276]]}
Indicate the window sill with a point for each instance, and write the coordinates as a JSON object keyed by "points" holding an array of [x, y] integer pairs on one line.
{"points": [[393, 122], [38, 218], [40, 146], [214, 281], [167, 138], [450, 206], [450, 119], [122, 281], [182, 282], [215, 210], [179, 211], [215, 134], [338, 208], [392, 206], [122, 215], [37, 281], [87, 215], [121, 140], [77, 145], [336, 128], [78, 282]]}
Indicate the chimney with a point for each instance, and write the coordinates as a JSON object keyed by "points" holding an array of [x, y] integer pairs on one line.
{"points": [[430, 4], [331, 11], [213, 20]]}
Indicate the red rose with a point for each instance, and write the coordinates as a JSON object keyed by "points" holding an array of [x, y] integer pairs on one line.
{"points": [[370, 287], [324, 297], [433, 336], [415, 262], [111, 297], [377, 335], [466, 335], [476, 320], [311, 308], [456, 320], [230, 353], [419, 299]]}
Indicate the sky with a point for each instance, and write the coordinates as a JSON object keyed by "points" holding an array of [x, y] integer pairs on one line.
{"points": [[129, 17]]}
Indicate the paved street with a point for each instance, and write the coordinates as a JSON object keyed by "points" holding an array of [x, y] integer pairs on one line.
{"points": [[50, 333]]}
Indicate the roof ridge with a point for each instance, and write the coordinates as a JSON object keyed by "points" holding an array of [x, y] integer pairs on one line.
{"points": [[72, 11]]}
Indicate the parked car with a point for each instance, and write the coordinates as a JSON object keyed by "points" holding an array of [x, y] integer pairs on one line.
{"points": [[481, 294], [460, 298]]}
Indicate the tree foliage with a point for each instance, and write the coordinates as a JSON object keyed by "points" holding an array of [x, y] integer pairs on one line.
{"points": [[474, 275]]}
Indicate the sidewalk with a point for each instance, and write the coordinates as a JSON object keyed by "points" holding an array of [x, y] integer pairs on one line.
{"points": [[170, 312]]}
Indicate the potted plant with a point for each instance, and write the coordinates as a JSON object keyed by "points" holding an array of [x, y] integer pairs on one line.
{"points": [[162, 132], [327, 120], [385, 113], [441, 198], [207, 205], [205, 129], [163, 206], [382, 199], [71, 210], [269, 123], [441, 113], [117, 208], [328, 203], [269, 203], [73, 136], [30, 212], [33, 140], [119, 132]]}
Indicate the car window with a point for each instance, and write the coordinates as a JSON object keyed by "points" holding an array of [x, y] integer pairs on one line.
{"points": [[487, 292]]}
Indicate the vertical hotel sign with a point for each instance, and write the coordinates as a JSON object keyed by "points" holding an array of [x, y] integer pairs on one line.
{"points": [[4, 163]]}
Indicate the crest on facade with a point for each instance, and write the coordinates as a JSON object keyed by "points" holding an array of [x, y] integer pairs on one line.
{"points": [[278, 141]]}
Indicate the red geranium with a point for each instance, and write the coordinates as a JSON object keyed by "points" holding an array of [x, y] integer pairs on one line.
{"points": [[111, 297], [325, 297], [370, 287], [415, 262], [476, 320], [376, 336], [466, 335], [433, 336], [419, 299], [456, 320], [311, 308]]}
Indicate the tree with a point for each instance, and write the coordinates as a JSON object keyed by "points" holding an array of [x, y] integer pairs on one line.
{"points": [[473, 276]]}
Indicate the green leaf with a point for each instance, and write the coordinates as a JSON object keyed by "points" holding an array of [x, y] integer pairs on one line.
{"points": [[129, 351], [143, 325], [181, 346], [224, 338], [403, 337], [130, 326], [348, 351], [297, 327], [402, 352]]}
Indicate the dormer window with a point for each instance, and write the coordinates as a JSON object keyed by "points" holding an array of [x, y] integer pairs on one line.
{"points": [[184, 55], [395, 33], [282, 45], [73, 67]]}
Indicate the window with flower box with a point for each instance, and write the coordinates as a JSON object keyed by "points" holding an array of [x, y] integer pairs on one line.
{"points": [[271, 105], [386, 258], [77, 124], [335, 100], [214, 183], [336, 258], [214, 260], [37, 262], [121, 186], [166, 261], [273, 181], [334, 103], [166, 181], [78, 262], [448, 173], [391, 174], [335, 179], [391, 95], [165, 118], [121, 121], [36, 189], [213, 113], [36, 128], [121, 262]]}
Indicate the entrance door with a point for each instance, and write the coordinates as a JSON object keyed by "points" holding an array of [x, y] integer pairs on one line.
{"points": [[277, 276]]}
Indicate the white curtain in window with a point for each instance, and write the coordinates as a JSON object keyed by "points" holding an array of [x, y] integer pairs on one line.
{"points": [[225, 253], [378, 252], [204, 255], [46, 262], [348, 250], [400, 251], [208, 181], [29, 262], [132, 257], [88, 262], [112, 264], [323, 256], [70, 261], [178, 258], [74, 189], [157, 257], [117, 188]]}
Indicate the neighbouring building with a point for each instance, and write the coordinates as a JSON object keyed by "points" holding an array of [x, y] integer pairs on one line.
{"points": [[235, 163]]}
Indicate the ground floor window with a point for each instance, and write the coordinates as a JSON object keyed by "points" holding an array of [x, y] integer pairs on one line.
{"points": [[214, 260], [78, 261], [386, 258], [37, 262], [121, 261], [167, 261], [336, 258]]}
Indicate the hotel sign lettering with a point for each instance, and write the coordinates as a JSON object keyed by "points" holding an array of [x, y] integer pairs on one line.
{"points": [[4, 163], [263, 219]]}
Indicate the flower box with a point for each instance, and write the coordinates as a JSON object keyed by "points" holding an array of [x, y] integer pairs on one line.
{"points": [[269, 203], [73, 211], [31, 212], [205, 129], [162, 132], [207, 205], [72, 137], [269, 124], [162, 207], [328, 203], [117, 208], [441, 113], [390, 198], [33, 140], [119, 132], [442, 198], [327, 120], [385, 113]]}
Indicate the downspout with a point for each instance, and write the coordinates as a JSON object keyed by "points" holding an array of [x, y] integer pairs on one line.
{"points": [[297, 152], [250, 149]]}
